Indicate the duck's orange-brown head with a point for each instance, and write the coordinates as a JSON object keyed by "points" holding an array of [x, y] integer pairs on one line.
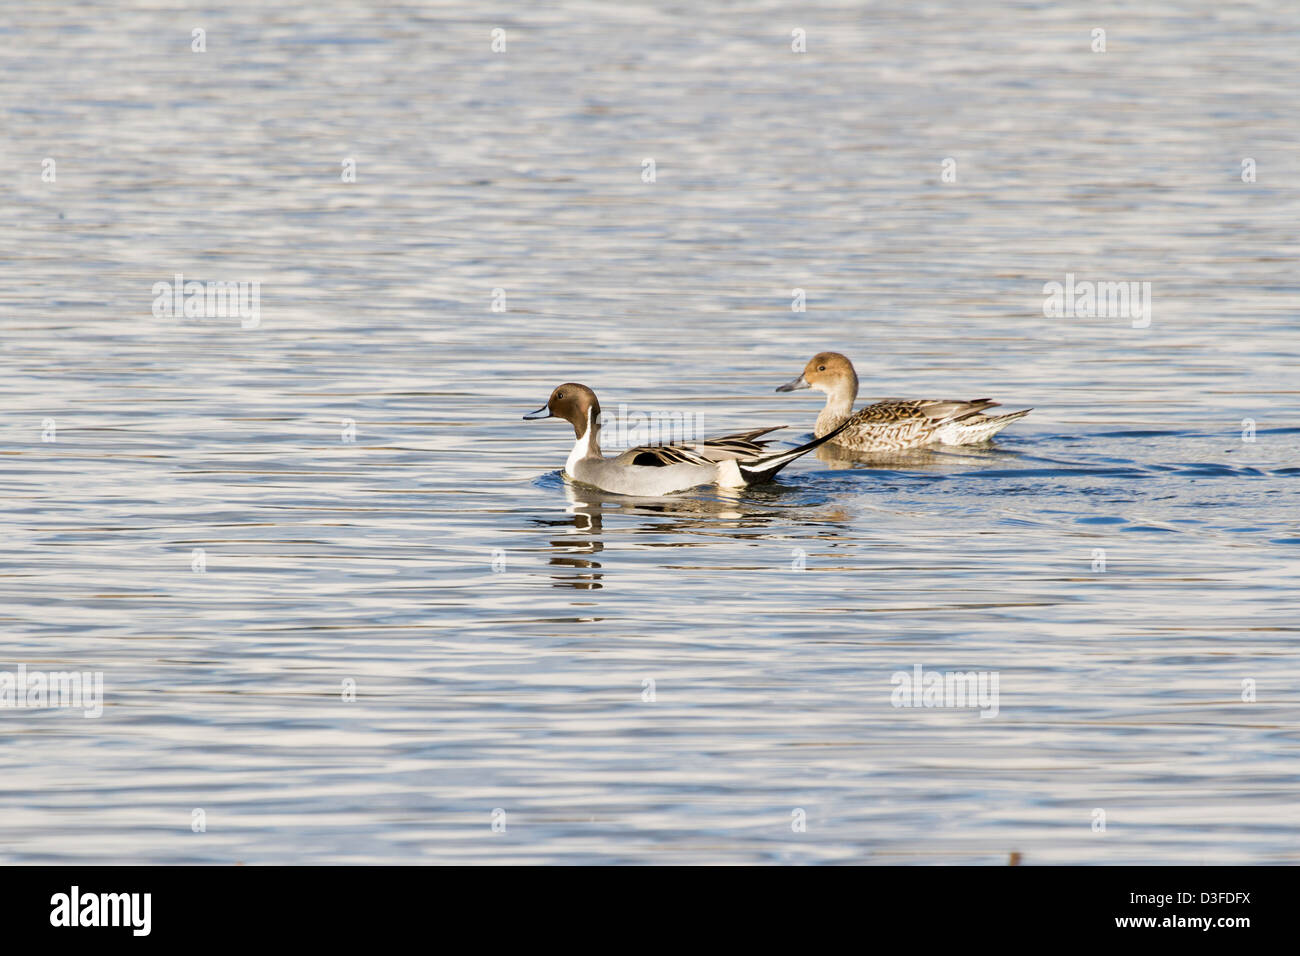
{"points": [[828, 372]]}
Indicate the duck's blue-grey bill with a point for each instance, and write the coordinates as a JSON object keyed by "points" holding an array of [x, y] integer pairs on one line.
{"points": [[543, 412], [794, 385]]}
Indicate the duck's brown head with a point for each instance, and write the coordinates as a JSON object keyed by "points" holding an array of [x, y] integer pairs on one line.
{"points": [[575, 403], [828, 372]]}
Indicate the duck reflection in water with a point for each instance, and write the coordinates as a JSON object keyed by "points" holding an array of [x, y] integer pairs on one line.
{"points": [[675, 522], [585, 518], [928, 458]]}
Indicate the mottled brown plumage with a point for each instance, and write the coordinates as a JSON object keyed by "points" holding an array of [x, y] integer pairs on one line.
{"points": [[894, 424]]}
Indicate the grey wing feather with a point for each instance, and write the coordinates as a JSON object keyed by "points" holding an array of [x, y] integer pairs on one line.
{"points": [[707, 451]]}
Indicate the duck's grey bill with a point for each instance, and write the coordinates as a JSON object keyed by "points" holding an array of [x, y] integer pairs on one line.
{"points": [[543, 412], [794, 385]]}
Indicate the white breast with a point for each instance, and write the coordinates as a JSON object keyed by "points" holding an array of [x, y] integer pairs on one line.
{"points": [[582, 448]]}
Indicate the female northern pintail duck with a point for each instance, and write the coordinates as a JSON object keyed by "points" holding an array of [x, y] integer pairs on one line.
{"points": [[731, 461], [896, 423]]}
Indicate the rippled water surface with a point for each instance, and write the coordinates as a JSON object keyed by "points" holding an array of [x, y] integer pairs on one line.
{"points": [[505, 631]]}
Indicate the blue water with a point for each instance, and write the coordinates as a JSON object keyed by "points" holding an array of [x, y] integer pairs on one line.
{"points": [[501, 628]]}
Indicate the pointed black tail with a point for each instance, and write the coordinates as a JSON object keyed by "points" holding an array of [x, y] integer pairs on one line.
{"points": [[764, 468]]}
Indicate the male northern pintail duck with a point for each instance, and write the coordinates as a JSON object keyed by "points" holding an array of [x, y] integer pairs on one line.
{"points": [[731, 461], [896, 423]]}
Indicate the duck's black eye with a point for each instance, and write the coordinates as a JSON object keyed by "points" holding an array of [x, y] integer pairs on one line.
{"points": [[821, 368], [559, 394]]}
